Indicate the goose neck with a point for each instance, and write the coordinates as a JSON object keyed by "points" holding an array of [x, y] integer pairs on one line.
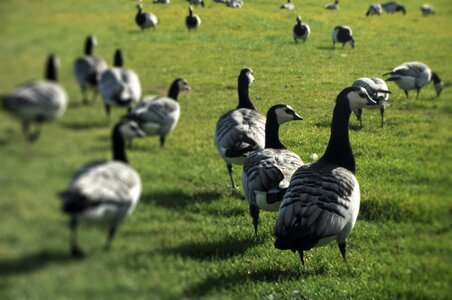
{"points": [[119, 152], [51, 70], [244, 99], [89, 47], [173, 91], [272, 133]]}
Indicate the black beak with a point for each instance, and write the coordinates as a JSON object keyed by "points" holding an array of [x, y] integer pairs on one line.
{"points": [[297, 117], [384, 91]]}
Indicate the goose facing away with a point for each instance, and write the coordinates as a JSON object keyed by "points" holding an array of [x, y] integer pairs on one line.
{"points": [[343, 34], [241, 130], [323, 198], [267, 172], [35, 103], [288, 5], [118, 85], [427, 9], [374, 9], [145, 19], [104, 192], [87, 70], [392, 7], [159, 115], [333, 6], [300, 30], [414, 76], [192, 21], [378, 91]]}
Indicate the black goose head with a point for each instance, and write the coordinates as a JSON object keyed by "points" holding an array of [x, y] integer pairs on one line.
{"points": [[401, 8], [125, 130], [139, 6], [298, 19], [190, 11], [244, 81], [352, 42], [283, 113], [439, 85], [353, 98], [89, 44], [51, 67], [178, 85], [117, 58], [246, 76]]}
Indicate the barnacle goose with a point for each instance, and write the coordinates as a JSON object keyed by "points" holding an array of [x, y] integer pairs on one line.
{"points": [[378, 91], [343, 34], [322, 201], [288, 5], [333, 6], [374, 9], [392, 7], [118, 85], [161, 1], [87, 70], [234, 3], [159, 115], [427, 9], [145, 19], [300, 30], [267, 172], [414, 76], [38, 102], [192, 21], [197, 2], [241, 130], [104, 192]]}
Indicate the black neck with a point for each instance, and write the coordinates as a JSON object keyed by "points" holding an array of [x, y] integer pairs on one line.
{"points": [[119, 152], [435, 78], [272, 132], [173, 92], [244, 99], [190, 12], [118, 61], [51, 70], [139, 10], [299, 22], [89, 47]]}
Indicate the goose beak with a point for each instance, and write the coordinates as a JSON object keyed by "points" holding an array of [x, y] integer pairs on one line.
{"points": [[297, 117], [384, 91], [370, 101]]}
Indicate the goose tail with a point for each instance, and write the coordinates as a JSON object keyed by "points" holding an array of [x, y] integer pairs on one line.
{"points": [[73, 201]]}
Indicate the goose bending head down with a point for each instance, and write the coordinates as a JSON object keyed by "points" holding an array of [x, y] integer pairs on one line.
{"points": [[241, 130], [322, 202], [333, 6], [104, 192], [38, 102], [392, 7], [267, 172], [343, 34], [300, 30], [374, 9]]}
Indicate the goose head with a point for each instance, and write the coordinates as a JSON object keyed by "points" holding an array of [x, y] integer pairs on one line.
{"points": [[298, 19], [139, 5], [53, 63], [190, 10], [246, 76], [354, 98], [284, 113], [129, 129], [352, 42], [89, 44], [439, 85], [182, 84], [117, 58]]}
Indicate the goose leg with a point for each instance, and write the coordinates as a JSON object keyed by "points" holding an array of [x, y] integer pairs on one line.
{"points": [[406, 94], [417, 93], [111, 235], [84, 95], [162, 141], [382, 113], [342, 248], [300, 252], [358, 114], [75, 250], [31, 135], [229, 166], [254, 212], [107, 111]]}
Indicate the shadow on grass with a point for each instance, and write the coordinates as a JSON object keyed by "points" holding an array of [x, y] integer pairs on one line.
{"points": [[32, 262], [327, 124], [179, 199], [84, 125], [326, 48]]}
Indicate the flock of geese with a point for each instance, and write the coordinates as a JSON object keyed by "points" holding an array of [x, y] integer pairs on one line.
{"points": [[316, 203]]}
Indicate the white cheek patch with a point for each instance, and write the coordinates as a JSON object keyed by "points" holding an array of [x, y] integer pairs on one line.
{"points": [[355, 101], [282, 116]]}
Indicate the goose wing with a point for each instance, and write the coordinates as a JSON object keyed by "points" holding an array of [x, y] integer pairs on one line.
{"points": [[155, 109], [132, 82], [413, 69], [87, 69]]}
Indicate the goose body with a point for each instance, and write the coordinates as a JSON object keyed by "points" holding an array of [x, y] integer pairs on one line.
{"points": [[392, 7], [104, 192], [322, 201], [234, 3], [288, 5], [427, 9], [267, 172], [241, 130], [35, 103], [118, 85], [374, 9], [300, 30], [192, 21], [333, 6], [414, 76], [161, 1], [343, 34], [145, 19], [197, 2], [158, 115]]}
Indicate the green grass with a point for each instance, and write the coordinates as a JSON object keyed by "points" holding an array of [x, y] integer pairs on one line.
{"points": [[188, 237]]}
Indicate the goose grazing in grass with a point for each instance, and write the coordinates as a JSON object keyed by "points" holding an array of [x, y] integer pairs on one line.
{"points": [[267, 172], [300, 30], [192, 21], [104, 192], [343, 34], [118, 85], [322, 202], [392, 7], [87, 70], [35, 103], [145, 19], [197, 2], [378, 91], [333, 6], [161, 1], [427, 9], [414, 76], [234, 3], [241, 130], [374, 9], [159, 115], [288, 5]]}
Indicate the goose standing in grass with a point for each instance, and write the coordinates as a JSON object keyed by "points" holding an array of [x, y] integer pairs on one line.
{"points": [[300, 30], [374, 9], [288, 5], [241, 130], [192, 21], [414, 76], [378, 91], [343, 34], [87, 70], [161, 1], [333, 6], [197, 2], [35, 103], [159, 115], [234, 3], [392, 7], [118, 85], [104, 192], [267, 172], [145, 19], [322, 202], [427, 9]]}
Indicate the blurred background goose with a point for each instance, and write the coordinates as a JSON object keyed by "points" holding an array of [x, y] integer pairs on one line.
{"points": [[192, 21], [427, 9], [159, 115], [87, 70], [333, 6], [196, 2], [267, 172], [392, 7], [322, 202], [161, 1], [234, 3], [241, 130], [300, 30], [343, 34], [37, 102], [104, 192], [288, 5], [145, 19], [374, 9]]}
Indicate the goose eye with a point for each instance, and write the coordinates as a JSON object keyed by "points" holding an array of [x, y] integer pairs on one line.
{"points": [[362, 95], [288, 111]]}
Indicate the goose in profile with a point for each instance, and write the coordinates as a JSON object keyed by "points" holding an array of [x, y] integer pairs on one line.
{"points": [[158, 115], [145, 19], [37, 102], [192, 21], [343, 34], [118, 85], [378, 91], [374, 9], [392, 7], [427, 9], [288, 5], [87, 70], [322, 202], [241, 130], [104, 192], [333, 6], [267, 172], [414, 76], [300, 30]]}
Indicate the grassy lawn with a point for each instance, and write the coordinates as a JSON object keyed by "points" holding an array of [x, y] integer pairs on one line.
{"points": [[189, 237]]}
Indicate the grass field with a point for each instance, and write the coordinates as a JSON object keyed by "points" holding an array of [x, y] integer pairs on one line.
{"points": [[189, 237]]}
